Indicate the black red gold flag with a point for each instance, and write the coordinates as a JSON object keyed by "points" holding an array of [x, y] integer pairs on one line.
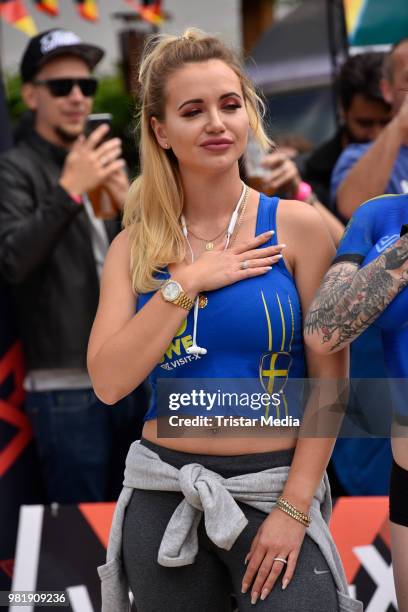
{"points": [[149, 10], [88, 9], [15, 14], [49, 7]]}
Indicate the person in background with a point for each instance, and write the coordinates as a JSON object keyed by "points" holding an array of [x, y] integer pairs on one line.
{"points": [[369, 170], [364, 171], [52, 248], [364, 113], [282, 177], [367, 286], [358, 466]]}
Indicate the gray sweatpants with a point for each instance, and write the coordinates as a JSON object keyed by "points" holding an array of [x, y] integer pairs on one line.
{"points": [[207, 584]]}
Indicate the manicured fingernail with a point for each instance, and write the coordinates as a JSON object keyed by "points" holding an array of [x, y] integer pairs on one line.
{"points": [[244, 588], [285, 584], [264, 594], [279, 256], [254, 598], [269, 267], [282, 246], [246, 559], [270, 232]]}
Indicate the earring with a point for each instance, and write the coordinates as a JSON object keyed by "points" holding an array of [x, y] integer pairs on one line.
{"points": [[167, 146]]}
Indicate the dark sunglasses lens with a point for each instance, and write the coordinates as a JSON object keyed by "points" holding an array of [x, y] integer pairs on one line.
{"points": [[88, 86], [60, 87], [63, 87]]}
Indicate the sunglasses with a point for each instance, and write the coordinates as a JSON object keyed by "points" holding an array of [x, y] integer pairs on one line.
{"points": [[63, 87]]}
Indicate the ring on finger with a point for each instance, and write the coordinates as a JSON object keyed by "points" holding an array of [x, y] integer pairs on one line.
{"points": [[281, 559], [104, 161], [244, 264]]}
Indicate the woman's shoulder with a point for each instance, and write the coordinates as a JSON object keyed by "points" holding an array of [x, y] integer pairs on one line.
{"points": [[121, 243], [302, 229], [299, 217]]}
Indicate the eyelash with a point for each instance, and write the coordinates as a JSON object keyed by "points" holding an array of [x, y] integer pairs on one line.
{"points": [[228, 107]]}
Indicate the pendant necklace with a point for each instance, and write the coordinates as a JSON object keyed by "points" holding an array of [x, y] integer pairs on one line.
{"points": [[209, 243]]}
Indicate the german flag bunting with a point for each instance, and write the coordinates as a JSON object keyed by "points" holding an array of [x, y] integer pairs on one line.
{"points": [[88, 9], [149, 10], [49, 7], [15, 14]]}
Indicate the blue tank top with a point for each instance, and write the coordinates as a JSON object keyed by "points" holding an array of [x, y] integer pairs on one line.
{"points": [[252, 326], [375, 226]]}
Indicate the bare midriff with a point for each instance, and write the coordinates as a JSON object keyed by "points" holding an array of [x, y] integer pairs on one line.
{"points": [[223, 442]]}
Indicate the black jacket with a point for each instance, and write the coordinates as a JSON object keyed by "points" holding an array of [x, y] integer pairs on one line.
{"points": [[317, 167], [46, 255]]}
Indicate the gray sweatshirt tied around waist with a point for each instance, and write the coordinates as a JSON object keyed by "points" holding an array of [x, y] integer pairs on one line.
{"points": [[207, 492]]}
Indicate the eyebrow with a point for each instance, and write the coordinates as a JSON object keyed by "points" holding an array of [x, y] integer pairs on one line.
{"points": [[200, 100]]}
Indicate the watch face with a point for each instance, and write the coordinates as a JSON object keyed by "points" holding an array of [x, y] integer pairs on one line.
{"points": [[171, 291]]}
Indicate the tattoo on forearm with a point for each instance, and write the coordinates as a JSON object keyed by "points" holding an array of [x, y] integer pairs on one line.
{"points": [[397, 256], [350, 299]]}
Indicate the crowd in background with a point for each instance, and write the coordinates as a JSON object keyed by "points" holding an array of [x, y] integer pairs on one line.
{"points": [[53, 240]]}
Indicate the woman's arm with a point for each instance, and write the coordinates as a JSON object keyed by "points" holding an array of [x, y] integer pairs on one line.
{"points": [[124, 346], [314, 252], [335, 227], [280, 535], [350, 298], [370, 175]]}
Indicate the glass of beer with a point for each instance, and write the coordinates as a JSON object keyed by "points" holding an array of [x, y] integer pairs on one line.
{"points": [[257, 174]]}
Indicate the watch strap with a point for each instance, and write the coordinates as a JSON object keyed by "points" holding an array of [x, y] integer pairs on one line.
{"points": [[184, 301]]}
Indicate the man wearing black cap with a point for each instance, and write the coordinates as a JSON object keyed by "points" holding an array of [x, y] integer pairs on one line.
{"points": [[52, 249]]}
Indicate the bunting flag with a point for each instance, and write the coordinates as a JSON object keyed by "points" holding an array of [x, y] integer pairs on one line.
{"points": [[88, 9], [15, 14], [149, 10], [49, 7]]}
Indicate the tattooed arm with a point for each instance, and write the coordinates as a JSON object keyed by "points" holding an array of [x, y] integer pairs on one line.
{"points": [[351, 298]]}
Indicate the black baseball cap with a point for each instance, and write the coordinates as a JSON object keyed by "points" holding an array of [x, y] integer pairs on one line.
{"points": [[53, 43]]}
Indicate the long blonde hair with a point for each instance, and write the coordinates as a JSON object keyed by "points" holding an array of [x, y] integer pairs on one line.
{"points": [[155, 200]]}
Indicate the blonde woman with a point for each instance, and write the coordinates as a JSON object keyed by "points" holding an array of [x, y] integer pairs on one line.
{"points": [[196, 236]]}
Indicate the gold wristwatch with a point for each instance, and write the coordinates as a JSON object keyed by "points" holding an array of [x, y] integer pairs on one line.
{"points": [[173, 292]]}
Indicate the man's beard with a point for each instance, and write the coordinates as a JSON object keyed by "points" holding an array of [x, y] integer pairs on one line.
{"points": [[65, 136], [351, 138]]}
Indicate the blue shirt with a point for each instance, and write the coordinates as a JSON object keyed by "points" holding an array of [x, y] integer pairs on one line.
{"points": [[398, 182]]}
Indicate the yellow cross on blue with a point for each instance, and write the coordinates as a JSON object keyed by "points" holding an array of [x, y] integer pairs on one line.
{"points": [[271, 374]]}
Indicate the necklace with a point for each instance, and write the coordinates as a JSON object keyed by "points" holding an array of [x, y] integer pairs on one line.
{"points": [[242, 214], [209, 243], [202, 300]]}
